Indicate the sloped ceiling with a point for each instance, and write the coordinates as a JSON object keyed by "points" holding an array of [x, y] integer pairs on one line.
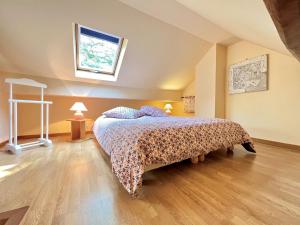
{"points": [[166, 38], [36, 39], [179, 16], [246, 19]]}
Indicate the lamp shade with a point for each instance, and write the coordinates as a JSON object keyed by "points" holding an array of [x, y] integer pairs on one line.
{"points": [[168, 106], [78, 106]]}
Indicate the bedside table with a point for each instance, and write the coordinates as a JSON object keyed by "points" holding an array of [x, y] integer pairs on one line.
{"points": [[77, 129]]}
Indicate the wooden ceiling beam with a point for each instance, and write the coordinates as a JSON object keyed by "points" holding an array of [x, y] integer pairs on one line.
{"points": [[286, 17]]}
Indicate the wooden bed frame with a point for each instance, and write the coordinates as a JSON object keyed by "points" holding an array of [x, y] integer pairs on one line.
{"points": [[201, 158], [194, 160]]}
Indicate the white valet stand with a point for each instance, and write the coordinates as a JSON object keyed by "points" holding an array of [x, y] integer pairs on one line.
{"points": [[13, 145]]}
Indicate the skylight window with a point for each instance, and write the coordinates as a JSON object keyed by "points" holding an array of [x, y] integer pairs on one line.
{"points": [[98, 55]]}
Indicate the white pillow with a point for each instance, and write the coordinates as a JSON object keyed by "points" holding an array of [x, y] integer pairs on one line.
{"points": [[152, 111], [122, 112]]}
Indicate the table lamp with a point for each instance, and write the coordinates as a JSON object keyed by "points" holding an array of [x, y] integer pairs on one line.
{"points": [[78, 107], [168, 107]]}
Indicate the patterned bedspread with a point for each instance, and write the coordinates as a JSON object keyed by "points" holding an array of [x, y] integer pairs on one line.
{"points": [[134, 144]]}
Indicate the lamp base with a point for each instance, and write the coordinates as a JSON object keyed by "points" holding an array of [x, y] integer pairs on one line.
{"points": [[78, 115]]}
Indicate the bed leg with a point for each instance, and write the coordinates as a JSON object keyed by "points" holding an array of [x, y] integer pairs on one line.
{"points": [[230, 149], [138, 194], [201, 158], [248, 147], [194, 160]]}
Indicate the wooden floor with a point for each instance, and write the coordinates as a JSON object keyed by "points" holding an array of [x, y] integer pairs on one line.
{"points": [[73, 184]]}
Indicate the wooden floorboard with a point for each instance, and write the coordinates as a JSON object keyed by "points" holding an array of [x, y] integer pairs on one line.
{"points": [[72, 184]]}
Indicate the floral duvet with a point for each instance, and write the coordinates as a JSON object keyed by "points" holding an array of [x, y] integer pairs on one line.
{"points": [[134, 144]]}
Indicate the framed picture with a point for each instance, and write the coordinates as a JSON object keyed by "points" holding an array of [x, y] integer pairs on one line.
{"points": [[249, 76], [189, 104]]}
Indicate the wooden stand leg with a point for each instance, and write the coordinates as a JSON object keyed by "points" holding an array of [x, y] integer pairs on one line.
{"points": [[194, 160], [201, 158]]}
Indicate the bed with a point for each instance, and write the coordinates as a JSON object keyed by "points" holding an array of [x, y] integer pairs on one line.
{"points": [[137, 145]]}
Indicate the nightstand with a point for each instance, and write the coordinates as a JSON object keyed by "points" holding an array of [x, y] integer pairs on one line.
{"points": [[77, 129]]}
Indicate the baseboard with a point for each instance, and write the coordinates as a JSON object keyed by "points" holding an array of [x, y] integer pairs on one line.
{"points": [[31, 136], [277, 144], [50, 135], [263, 141], [2, 144]]}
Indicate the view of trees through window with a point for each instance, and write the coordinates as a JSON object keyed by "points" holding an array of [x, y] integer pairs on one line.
{"points": [[97, 54]]}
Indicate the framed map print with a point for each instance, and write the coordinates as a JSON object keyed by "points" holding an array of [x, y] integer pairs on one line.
{"points": [[249, 76]]}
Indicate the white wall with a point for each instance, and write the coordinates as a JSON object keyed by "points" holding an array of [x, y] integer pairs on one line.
{"points": [[205, 84], [210, 82], [272, 114], [3, 112], [190, 89]]}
